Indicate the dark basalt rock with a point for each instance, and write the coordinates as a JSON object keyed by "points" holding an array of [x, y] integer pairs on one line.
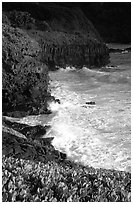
{"points": [[90, 103], [24, 75], [53, 99], [33, 132], [117, 50], [63, 156], [47, 111], [78, 50], [28, 142], [57, 100]]}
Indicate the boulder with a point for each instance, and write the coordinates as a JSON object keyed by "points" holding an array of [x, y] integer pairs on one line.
{"points": [[30, 132], [90, 103]]}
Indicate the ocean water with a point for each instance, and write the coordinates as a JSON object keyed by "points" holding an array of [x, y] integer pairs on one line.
{"points": [[94, 135]]}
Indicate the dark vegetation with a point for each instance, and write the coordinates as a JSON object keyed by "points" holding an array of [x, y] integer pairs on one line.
{"points": [[111, 19], [25, 77], [35, 39], [58, 17], [38, 37]]}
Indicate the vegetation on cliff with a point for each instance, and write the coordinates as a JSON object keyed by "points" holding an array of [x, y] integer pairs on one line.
{"points": [[66, 36], [25, 76], [58, 17], [38, 37], [61, 49]]}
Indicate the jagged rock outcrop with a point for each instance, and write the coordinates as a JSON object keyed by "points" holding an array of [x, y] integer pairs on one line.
{"points": [[28, 142], [25, 76]]}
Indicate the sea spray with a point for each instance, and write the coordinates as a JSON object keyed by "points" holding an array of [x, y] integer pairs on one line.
{"points": [[63, 132], [99, 135]]}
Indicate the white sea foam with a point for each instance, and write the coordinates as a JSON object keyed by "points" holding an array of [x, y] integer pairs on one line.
{"points": [[54, 106], [94, 135], [99, 135], [96, 71], [68, 68]]}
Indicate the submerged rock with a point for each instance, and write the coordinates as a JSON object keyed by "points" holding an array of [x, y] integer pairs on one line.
{"points": [[57, 100], [90, 103]]}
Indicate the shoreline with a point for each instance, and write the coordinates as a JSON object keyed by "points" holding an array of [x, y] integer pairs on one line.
{"points": [[39, 38], [71, 181]]}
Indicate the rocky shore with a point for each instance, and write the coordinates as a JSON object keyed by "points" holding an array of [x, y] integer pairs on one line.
{"points": [[31, 47], [34, 171]]}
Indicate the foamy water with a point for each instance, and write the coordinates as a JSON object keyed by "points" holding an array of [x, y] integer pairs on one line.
{"points": [[96, 135]]}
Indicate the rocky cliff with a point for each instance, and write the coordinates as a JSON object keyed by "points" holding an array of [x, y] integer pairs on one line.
{"points": [[25, 76], [38, 37]]}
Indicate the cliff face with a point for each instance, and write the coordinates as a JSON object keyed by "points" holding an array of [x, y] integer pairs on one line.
{"points": [[25, 77], [61, 49], [38, 37], [65, 35]]}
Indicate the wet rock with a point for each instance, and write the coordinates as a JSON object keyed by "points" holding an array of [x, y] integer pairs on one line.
{"points": [[33, 132], [47, 111], [85, 106], [63, 156], [111, 66], [117, 50], [53, 99], [90, 103], [57, 100]]}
